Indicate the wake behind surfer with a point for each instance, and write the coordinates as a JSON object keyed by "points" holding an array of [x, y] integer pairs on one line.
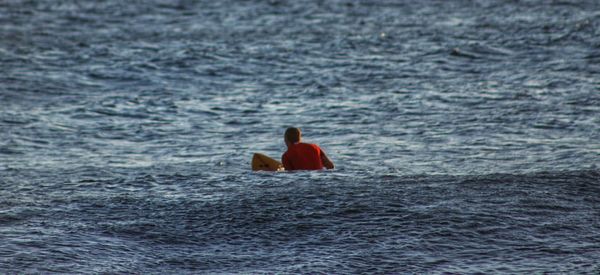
{"points": [[303, 156]]}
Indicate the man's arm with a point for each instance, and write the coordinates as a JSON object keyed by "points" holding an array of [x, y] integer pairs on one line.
{"points": [[326, 161], [286, 163]]}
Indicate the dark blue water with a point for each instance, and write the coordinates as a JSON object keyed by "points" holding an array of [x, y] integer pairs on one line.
{"points": [[466, 136]]}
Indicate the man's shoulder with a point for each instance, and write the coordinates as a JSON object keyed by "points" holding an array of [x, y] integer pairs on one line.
{"points": [[311, 145], [305, 144]]}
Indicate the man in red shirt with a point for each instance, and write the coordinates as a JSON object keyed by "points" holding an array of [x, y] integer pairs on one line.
{"points": [[303, 156]]}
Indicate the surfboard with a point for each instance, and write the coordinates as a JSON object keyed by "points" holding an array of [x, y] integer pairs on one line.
{"points": [[261, 162]]}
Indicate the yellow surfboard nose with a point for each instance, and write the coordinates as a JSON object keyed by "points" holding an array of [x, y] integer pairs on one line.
{"points": [[261, 162]]}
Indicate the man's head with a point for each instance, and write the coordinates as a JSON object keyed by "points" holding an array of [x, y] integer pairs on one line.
{"points": [[292, 135]]}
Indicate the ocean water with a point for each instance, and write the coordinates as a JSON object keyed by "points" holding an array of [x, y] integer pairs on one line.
{"points": [[466, 136]]}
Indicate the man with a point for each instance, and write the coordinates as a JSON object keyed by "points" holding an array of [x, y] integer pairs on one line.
{"points": [[303, 156]]}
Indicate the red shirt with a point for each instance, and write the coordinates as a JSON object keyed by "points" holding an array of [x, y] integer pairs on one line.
{"points": [[302, 156]]}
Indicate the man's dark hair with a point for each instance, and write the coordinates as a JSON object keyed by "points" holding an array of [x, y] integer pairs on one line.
{"points": [[292, 134]]}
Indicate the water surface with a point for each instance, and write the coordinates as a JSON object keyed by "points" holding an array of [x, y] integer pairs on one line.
{"points": [[465, 136]]}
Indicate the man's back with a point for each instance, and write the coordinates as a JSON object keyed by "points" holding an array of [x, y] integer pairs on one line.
{"points": [[302, 156]]}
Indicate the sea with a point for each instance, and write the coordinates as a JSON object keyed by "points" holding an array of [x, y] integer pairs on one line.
{"points": [[465, 134]]}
